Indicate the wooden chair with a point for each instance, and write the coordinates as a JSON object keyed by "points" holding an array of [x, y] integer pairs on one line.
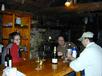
{"points": [[78, 74], [73, 74]]}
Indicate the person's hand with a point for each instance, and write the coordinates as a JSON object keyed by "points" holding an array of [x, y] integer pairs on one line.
{"points": [[71, 58], [65, 60], [60, 53]]}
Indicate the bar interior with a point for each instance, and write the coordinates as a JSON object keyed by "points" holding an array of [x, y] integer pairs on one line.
{"points": [[31, 32]]}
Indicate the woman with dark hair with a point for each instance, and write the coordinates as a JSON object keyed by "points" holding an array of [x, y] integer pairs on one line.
{"points": [[15, 47], [14, 42]]}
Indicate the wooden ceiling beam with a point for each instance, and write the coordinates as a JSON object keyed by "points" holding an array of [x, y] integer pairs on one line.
{"points": [[82, 7], [89, 6]]}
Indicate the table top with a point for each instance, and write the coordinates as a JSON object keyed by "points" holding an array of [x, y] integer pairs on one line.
{"points": [[47, 68]]}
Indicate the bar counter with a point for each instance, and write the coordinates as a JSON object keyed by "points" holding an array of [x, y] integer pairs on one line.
{"points": [[47, 68]]}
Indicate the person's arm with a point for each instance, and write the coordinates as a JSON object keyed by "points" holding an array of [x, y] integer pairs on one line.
{"points": [[59, 53], [70, 53], [71, 58], [14, 53], [81, 62]]}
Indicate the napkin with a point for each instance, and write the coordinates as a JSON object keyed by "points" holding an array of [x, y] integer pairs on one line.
{"points": [[12, 72]]}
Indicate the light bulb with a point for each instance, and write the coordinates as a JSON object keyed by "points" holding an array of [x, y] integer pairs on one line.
{"points": [[3, 7], [67, 4], [50, 37]]}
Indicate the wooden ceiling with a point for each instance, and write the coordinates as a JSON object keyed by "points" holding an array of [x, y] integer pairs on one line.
{"points": [[51, 6], [54, 12]]}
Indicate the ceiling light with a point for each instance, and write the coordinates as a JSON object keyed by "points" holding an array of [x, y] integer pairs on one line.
{"points": [[3, 7], [86, 20], [68, 3]]}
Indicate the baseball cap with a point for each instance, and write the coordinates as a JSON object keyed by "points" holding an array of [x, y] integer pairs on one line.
{"points": [[86, 35]]}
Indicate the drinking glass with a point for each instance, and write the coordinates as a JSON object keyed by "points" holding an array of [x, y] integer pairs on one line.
{"points": [[39, 64], [43, 54]]}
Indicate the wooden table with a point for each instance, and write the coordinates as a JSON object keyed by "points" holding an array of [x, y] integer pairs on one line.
{"points": [[48, 69]]}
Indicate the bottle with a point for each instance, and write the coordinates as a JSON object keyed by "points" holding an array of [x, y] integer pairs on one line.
{"points": [[5, 63], [8, 59], [74, 52], [69, 50], [54, 56], [49, 47], [50, 41]]}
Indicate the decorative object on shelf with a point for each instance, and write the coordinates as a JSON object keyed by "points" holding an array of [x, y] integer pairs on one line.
{"points": [[18, 20], [8, 24], [3, 7]]}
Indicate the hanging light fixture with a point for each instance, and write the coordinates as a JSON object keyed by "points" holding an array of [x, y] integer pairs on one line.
{"points": [[86, 20], [68, 3], [3, 7]]}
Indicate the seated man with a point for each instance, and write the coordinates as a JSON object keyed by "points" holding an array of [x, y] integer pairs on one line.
{"points": [[90, 59], [63, 47], [62, 51]]}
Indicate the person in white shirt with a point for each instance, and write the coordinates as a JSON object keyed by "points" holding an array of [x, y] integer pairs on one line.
{"points": [[90, 59]]}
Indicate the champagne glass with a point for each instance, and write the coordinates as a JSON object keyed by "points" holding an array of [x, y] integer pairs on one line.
{"points": [[22, 53], [37, 57], [39, 64], [43, 54]]}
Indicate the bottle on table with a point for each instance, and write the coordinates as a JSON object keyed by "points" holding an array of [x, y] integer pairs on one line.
{"points": [[54, 56], [69, 51], [74, 52], [8, 59]]}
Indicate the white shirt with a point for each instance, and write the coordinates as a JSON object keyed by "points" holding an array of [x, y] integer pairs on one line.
{"points": [[89, 60]]}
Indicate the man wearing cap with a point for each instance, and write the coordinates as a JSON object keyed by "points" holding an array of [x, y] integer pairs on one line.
{"points": [[90, 60]]}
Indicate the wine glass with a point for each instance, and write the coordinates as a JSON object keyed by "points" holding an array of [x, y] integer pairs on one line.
{"points": [[43, 56], [37, 57], [23, 54], [39, 64]]}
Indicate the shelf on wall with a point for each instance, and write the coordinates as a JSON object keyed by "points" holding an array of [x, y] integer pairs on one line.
{"points": [[7, 26], [24, 38], [20, 26], [5, 38]]}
